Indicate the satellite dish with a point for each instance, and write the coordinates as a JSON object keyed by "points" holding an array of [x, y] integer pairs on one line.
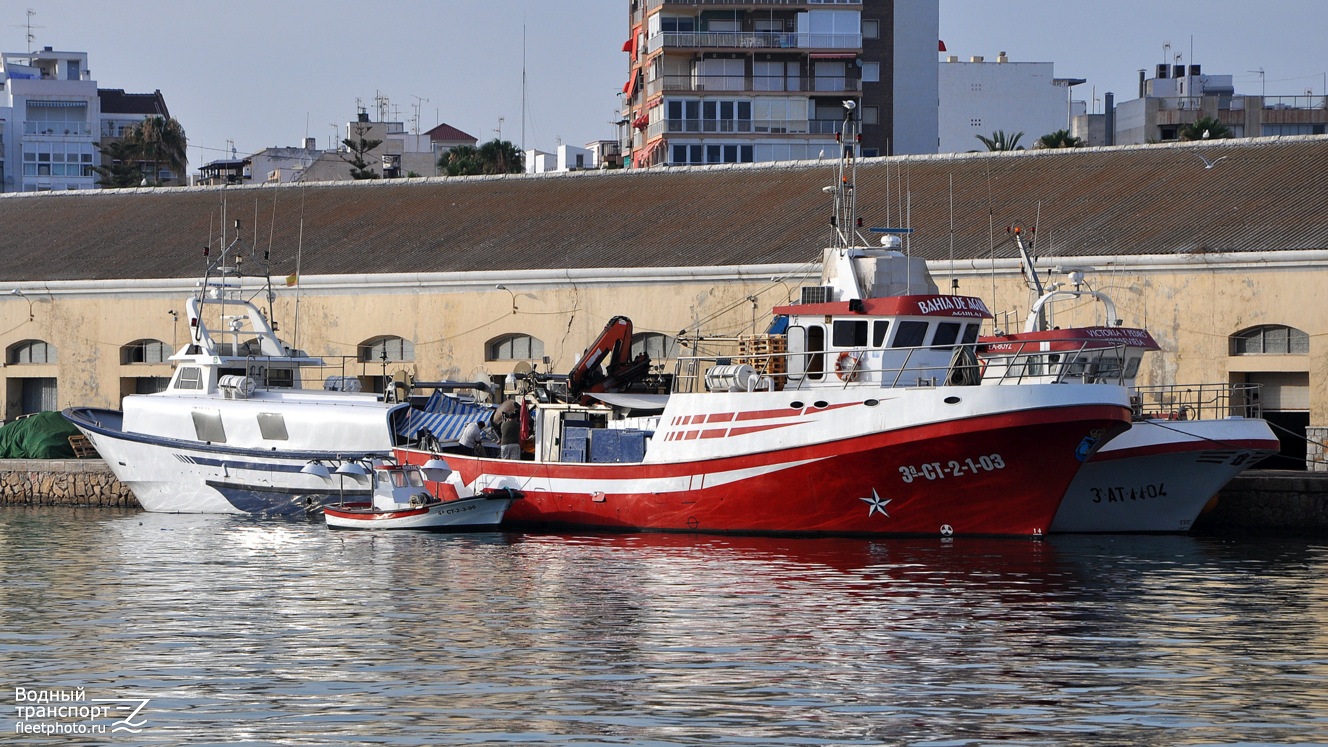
{"points": [[523, 368]]}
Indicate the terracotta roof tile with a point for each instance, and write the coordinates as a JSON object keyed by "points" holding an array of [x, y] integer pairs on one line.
{"points": [[1267, 194]]}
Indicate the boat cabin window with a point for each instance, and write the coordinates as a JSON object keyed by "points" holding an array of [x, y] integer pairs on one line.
{"points": [[815, 346], [1132, 367], [971, 333], [273, 426], [850, 333], [283, 378], [190, 377], [207, 426], [880, 328], [910, 334], [946, 334]]}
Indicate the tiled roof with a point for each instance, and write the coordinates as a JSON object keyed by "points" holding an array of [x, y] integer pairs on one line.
{"points": [[1266, 194], [116, 101], [447, 133]]}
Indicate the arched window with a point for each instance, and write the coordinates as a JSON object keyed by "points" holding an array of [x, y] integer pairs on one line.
{"points": [[144, 351], [1270, 339], [386, 348], [30, 351], [657, 346], [514, 348]]}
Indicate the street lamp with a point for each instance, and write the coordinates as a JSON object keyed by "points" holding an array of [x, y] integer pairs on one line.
{"points": [[19, 293], [502, 287]]}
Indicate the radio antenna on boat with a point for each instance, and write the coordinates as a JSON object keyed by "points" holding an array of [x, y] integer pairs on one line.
{"points": [[845, 219]]}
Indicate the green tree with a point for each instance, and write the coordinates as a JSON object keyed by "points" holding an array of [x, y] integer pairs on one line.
{"points": [[1059, 139], [1001, 141], [160, 142], [501, 157], [463, 160], [120, 167], [1205, 128], [359, 148]]}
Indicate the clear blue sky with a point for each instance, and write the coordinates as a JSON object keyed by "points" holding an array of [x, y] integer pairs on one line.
{"points": [[263, 73]]}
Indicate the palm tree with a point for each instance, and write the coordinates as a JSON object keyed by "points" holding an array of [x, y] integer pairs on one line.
{"points": [[1205, 128], [494, 157], [501, 157], [463, 160], [1059, 139], [1001, 141], [161, 142]]}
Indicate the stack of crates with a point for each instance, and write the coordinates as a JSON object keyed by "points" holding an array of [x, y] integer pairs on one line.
{"points": [[767, 354]]}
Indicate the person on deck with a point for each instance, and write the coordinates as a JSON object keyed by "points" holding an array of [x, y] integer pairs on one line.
{"points": [[509, 435], [471, 438]]}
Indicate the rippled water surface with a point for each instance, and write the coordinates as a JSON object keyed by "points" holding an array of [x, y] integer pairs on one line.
{"points": [[263, 632]]}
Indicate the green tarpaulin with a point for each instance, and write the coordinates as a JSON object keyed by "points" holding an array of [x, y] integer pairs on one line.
{"points": [[44, 435]]}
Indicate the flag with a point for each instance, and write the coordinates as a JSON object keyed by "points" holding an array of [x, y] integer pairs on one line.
{"points": [[292, 279]]}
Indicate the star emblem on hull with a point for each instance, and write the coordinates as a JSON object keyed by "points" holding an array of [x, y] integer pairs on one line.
{"points": [[876, 503]]}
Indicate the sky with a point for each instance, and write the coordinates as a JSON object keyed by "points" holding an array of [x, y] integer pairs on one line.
{"points": [[253, 74]]}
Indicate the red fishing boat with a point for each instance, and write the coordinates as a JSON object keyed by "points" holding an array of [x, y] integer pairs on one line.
{"points": [[862, 413]]}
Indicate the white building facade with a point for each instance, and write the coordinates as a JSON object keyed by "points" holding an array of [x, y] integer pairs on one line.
{"points": [[980, 97], [51, 122]]}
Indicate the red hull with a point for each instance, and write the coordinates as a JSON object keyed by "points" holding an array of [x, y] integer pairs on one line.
{"points": [[995, 475]]}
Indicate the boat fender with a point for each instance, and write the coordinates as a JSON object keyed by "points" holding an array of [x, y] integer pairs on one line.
{"points": [[846, 365]]}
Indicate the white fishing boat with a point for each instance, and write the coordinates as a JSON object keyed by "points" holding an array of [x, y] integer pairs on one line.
{"points": [[234, 431], [1185, 442], [863, 416], [401, 500]]}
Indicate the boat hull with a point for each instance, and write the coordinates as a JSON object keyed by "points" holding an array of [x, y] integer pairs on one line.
{"points": [[175, 476], [1000, 475], [468, 513], [1158, 476]]}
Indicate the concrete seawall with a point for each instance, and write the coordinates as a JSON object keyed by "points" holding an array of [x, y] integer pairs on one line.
{"points": [[1259, 501]]}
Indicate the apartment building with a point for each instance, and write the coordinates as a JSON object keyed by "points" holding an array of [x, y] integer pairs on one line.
{"points": [[1180, 95], [53, 117], [980, 96], [721, 81]]}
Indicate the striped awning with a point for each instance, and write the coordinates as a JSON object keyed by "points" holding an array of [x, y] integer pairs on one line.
{"points": [[444, 416]]}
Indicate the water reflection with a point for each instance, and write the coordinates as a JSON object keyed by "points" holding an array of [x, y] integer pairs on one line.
{"points": [[284, 632]]}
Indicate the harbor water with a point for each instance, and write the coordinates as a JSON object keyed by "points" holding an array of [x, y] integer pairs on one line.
{"points": [[120, 627]]}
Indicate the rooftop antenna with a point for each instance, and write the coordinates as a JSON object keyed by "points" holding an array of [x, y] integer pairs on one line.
{"points": [[415, 122], [1263, 83], [31, 37]]}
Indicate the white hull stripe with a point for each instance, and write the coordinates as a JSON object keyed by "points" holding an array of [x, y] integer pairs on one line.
{"points": [[671, 484]]}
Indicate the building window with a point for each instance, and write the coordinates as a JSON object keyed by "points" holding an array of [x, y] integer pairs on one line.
{"points": [[386, 348], [144, 351], [514, 348], [871, 115], [657, 346], [1272, 339], [30, 351], [871, 72], [871, 28]]}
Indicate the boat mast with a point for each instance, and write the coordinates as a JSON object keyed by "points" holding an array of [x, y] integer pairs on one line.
{"points": [[845, 219]]}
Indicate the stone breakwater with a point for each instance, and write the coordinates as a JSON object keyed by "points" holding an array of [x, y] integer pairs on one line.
{"points": [[61, 482]]}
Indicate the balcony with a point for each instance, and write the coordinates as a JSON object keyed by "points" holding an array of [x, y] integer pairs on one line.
{"points": [[796, 4], [826, 127], [750, 40], [71, 129], [750, 84]]}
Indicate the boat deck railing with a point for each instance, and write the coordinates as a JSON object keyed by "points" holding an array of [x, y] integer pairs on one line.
{"points": [[945, 365], [1197, 401]]}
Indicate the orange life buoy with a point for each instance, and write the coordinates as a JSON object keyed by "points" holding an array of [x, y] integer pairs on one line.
{"points": [[846, 366]]}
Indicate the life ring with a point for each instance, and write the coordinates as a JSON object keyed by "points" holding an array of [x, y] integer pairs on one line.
{"points": [[846, 365]]}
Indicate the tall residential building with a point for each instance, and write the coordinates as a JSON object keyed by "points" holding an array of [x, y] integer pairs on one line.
{"points": [[53, 117], [723, 81]]}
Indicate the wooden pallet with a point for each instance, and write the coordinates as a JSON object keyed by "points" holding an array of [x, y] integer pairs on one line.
{"points": [[83, 448]]}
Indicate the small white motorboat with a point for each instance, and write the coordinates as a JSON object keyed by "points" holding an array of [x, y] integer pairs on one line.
{"points": [[401, 500]]}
